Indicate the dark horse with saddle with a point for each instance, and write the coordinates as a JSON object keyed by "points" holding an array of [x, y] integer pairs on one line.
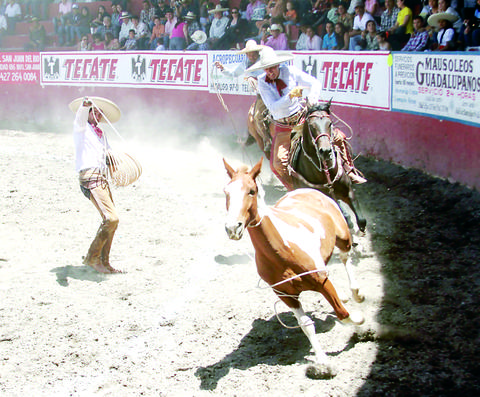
{"points": [[316, 157]]}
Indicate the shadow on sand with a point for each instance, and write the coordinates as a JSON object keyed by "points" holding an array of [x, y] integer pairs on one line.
{"points": [[426, 234], [268, 342], [84, 273]]}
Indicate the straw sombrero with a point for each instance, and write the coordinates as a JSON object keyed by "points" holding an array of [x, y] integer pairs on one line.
{"points": [[435, 18], [218, 8], [199, 37], [251, 46], [190, 15], [108, 108], [269, 58]]}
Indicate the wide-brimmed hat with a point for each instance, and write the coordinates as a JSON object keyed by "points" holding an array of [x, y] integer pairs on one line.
{"points": [[199, 37], [108, 108], [435, 18], [190, 15], [276, 26], [269, 58], [218, 8], [125, 14], [251, 46]]}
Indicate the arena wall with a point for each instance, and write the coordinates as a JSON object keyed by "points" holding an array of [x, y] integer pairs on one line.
{"points": [[445, 148]]}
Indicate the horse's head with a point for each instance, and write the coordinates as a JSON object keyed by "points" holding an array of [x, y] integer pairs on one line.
{"points": [[317, 131], [241, 194]]}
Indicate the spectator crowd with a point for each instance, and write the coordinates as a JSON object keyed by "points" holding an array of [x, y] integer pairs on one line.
{"points": [[397, 25]]}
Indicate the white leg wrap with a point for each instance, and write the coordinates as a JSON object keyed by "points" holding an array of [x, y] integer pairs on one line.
{"points": [[354, 287], [308, 328]]}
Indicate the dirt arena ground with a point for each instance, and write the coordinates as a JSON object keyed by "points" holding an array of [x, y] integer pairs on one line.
{"points": [[190, 318]]}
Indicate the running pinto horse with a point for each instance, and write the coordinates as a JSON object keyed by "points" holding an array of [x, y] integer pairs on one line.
{"points": [[316, 162], [293, 242]]}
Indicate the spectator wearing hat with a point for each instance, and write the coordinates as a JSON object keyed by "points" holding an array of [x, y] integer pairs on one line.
{"points": [[359, 25], [277, 40], [80, 22], [445, 6], [445, 38], [235, 33], [219, 23], [127, 25], [200, 42], [191, 26]]}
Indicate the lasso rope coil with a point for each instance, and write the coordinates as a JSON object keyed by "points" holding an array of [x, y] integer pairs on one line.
{"points": [[123, 168]]}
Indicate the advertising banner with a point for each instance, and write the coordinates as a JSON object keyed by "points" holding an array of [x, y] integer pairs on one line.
{"points": [[360, 79], [172, 70], [443, 85], [232, 81], [19, 68]]}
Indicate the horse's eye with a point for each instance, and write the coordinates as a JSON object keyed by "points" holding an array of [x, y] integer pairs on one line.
{"points": [[252, 192]]}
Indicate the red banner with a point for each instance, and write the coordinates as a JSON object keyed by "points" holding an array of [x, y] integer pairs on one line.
{"points": [[19, 67]]}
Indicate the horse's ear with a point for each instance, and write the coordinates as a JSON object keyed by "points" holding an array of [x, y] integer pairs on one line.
{"points": [[256, 169], [230, 170], [329, 103]]}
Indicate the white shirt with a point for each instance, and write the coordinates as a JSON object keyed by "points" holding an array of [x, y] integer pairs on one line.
{"points": [[218, 26], [241, 69], [283, 106], [361, 24], [90, 150], [125, 29], [13, 10]]}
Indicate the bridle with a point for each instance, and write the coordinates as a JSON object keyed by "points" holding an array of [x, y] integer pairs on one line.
{"points": [[323, 165]]}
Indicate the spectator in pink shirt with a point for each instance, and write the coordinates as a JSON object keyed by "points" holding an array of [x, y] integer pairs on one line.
{"points": [[278, 40]]}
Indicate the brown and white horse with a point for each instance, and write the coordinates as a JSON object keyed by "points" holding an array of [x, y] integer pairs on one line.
{"points": [[293, 242]]}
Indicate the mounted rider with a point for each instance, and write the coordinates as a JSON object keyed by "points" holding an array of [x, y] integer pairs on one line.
{"points": [[281, 87], [257, 111]]}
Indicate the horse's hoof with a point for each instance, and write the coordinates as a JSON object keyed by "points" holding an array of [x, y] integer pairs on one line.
{"points": [[320, 371], [354, 318], [357, 295]]}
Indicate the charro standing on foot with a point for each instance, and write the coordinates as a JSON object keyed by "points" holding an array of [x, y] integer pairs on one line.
{"points": [[91, 163]]}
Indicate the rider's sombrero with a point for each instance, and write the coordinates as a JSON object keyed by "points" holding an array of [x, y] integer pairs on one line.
{"points": [[218, 8], [435, 18], [108, 108], [269, 58], [199, 37], [190, 16], [251, 46]]}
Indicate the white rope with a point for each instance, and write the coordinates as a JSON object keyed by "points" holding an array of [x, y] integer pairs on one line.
{"points": [[123, 168]]}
